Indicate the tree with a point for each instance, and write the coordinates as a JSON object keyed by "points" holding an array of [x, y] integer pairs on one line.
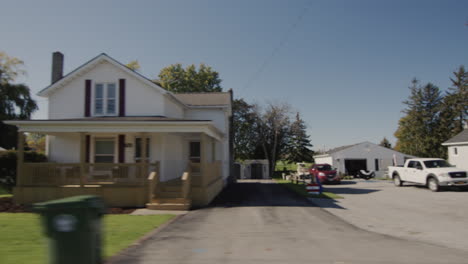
{"points": [[134, 65], [299, 146], [457, 100], [274, 132], [36, 142], [176, 79], [419, 130], [245, 129], [15, 99], [385, 143]]}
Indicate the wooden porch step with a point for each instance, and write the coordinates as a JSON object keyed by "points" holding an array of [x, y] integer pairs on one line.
{"points": [[177, 207], [171, 188], [169, 204], [170, 200], [165, 194]]}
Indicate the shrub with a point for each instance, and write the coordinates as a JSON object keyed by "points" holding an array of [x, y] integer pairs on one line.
{"points": [[8, 166]]}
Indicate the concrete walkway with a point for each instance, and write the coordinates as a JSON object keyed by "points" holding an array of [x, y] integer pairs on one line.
{"points": [[410, 212], [262, 222]]}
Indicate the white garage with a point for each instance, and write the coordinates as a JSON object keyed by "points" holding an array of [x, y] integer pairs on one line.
{"points": [[363, 156], [251, 169]]}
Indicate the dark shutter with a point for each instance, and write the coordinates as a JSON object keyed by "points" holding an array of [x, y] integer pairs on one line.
{"points": [[121, 148], [88, 142], [121, 97], [87, 98]]}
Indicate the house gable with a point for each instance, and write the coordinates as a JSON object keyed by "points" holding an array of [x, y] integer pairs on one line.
{"points": [[74, 96]]}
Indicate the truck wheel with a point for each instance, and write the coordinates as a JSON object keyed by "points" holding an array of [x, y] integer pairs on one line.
{"points": [[433, 184], [397, 181]]}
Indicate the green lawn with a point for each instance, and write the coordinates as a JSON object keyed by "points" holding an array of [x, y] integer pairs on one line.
{"points": [[301, 190], [4, 193], [22, 241]]}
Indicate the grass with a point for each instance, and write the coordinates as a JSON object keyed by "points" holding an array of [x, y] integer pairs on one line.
{"points": [[4, 193], [22, 239], [282, 165], [301, 190]]}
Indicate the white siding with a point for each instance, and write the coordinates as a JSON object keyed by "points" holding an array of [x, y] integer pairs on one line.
{"points": [[173, 109], [64, 148], [174, 161], [460, 160], [218, 117], [141, 99], [327, 160], [369, 152]]}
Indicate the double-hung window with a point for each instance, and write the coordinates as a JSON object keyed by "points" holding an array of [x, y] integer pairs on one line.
{"points": [[105, 99], [104, 150]]}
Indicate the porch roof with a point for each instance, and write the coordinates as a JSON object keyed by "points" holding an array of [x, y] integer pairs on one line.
{"points": [[131, 124]]}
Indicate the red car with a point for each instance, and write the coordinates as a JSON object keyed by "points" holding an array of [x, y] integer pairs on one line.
{"points": [[325, 173]]}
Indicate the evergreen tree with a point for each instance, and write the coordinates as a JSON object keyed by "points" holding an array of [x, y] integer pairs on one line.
{"points": [[457, 101], [419, 131], [299, 145]]}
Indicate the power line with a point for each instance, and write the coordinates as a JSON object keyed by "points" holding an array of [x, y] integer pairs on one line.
{"points": [[283, 40]]}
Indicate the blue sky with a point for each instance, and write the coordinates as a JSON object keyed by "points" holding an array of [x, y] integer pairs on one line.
{"points": [[345, 65]]}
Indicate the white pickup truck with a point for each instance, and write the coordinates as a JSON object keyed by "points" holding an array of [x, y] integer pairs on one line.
{"points": [[434, 173]]}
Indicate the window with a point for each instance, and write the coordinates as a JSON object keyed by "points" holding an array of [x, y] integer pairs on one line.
{"points": [[138, 149], [194, 152], [105, 99], [455, 151], [377, 165], [104, 150]]}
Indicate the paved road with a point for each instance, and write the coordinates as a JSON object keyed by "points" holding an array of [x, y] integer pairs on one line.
{"points": [[261, 222], [410, 212]]}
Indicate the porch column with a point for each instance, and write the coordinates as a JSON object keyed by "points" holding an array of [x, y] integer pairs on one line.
{"points": [[204, 140], [82, 158], [20, 160], [144, 156]]}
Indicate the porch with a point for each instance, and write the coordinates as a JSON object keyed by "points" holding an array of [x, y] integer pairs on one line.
{"points": [[120, 185], [166, 167]]}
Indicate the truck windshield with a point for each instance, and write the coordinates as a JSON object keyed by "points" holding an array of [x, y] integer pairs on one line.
{"points": [[436, 164], [324, 168]]}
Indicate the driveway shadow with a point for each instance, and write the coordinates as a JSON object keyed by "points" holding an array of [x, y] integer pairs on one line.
{"points": [[346, 190], [259, 193]]}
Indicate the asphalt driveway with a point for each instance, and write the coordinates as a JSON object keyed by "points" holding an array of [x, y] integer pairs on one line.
{"points": [[410, 212], [262, 222]]}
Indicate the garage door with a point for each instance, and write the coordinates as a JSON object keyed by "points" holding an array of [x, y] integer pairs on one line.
{"points": [[256, 171], [353, 166]]}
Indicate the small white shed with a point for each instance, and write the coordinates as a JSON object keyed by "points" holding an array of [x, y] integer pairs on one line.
{"points": [[251, 169], [458, 150], [363, 156]]}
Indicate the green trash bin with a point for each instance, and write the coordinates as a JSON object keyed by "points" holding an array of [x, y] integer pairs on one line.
{"points": [[73, 228]]}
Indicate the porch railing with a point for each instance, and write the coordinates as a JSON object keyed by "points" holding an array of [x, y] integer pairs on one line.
{"points": [[205, 173], [58, 174], [153, 184]]}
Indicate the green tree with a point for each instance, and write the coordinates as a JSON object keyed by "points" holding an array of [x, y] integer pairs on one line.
{"points": [[299, 145], [419, 130], [36, 142], [245, 129], [457, 100], [15, 99], [176, 79], [385, 143]]}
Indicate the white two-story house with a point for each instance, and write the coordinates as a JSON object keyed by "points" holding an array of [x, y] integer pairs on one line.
{"points": [[114, 133]]}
